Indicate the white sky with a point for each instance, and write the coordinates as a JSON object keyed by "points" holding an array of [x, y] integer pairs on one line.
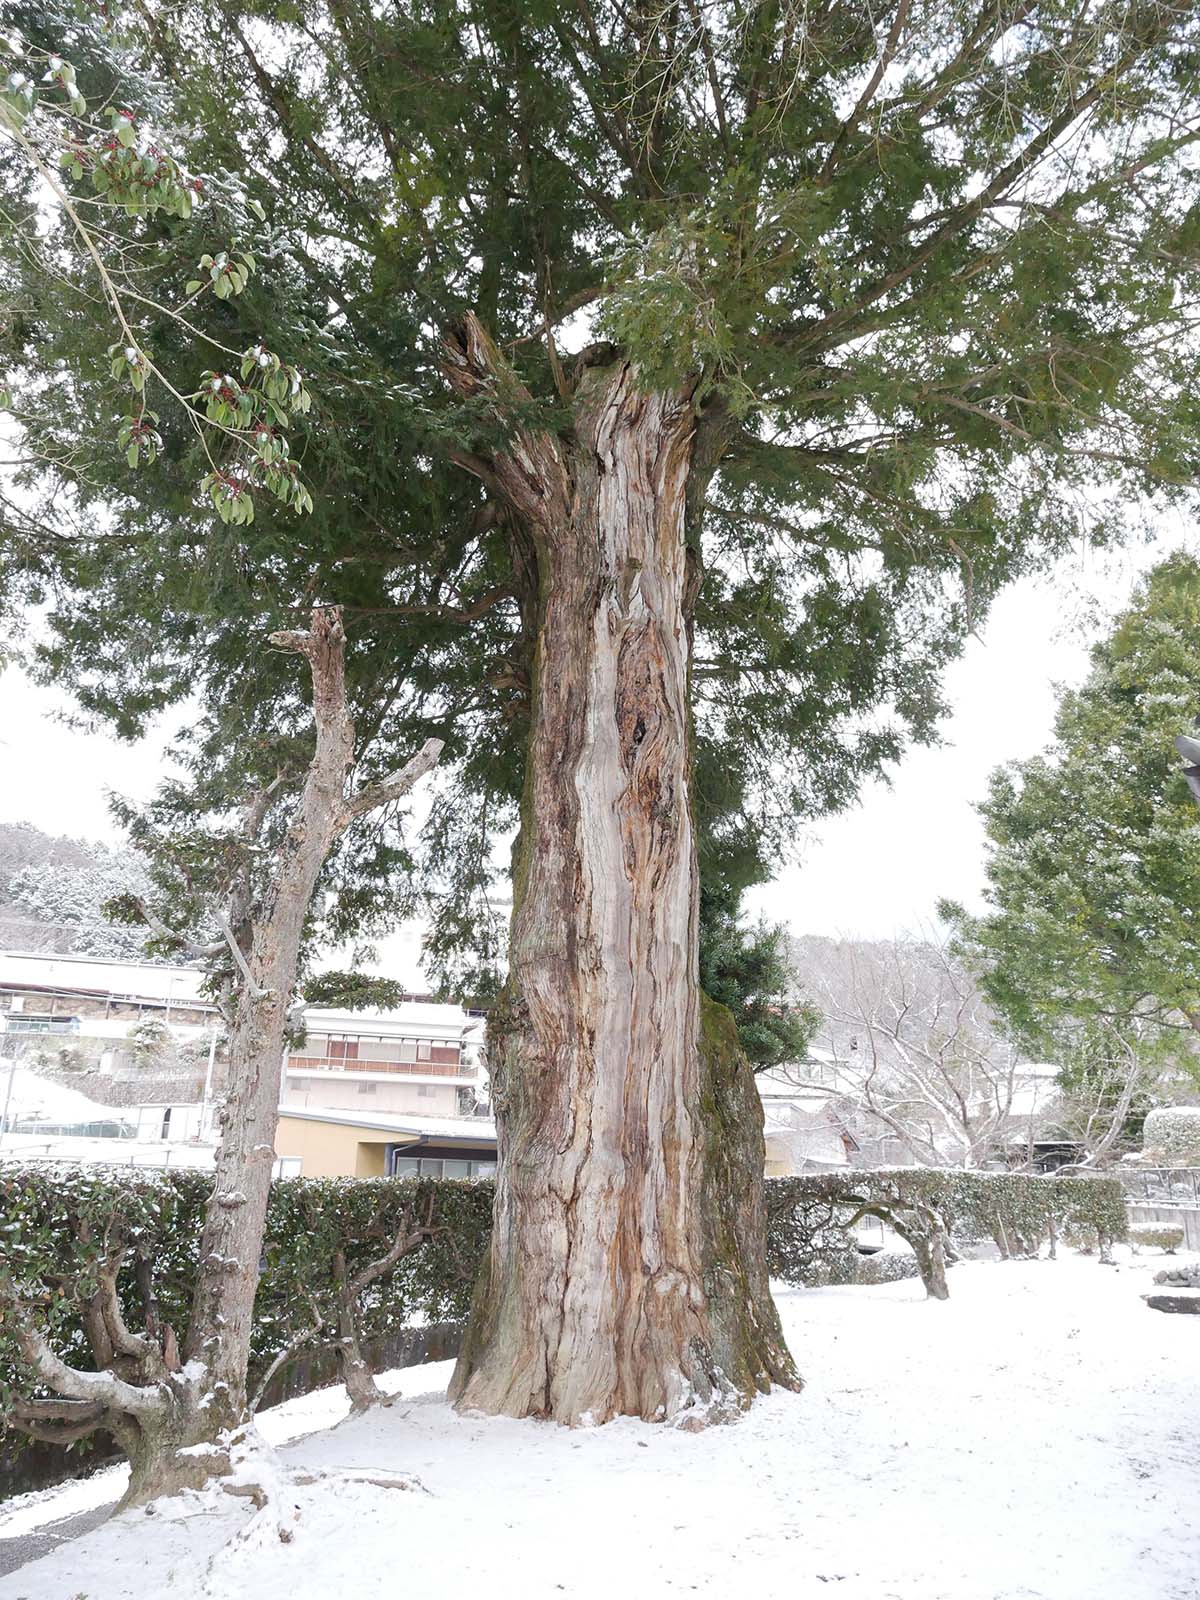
{"points": [[879, 869], [872, 872]]}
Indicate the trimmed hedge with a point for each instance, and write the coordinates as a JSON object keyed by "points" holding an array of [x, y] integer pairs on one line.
{"points": [[1156, 1236], [810, 1217], [1171, 1135], [59, 1225]]}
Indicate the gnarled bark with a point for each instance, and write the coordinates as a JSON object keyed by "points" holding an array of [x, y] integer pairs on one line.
{"points": [[612, 1285]]}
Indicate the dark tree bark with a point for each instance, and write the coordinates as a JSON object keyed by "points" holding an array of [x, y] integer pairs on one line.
{"points": [[613, 1284]]}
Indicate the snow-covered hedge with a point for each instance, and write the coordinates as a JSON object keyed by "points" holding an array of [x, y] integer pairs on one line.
{"points": [[810, 1217], [1172, 1136], [58, 1226], [887, 1266], [1156, 1236]]}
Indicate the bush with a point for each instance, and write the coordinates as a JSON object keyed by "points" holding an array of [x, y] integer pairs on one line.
{"points": [[62, 1226], [1082, 1238], [807, 1242], [887, 1266], [1171, 1136], [810, 1217], [1157, 1236]]}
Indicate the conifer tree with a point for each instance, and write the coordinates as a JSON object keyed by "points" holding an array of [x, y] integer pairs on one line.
{"points": [[1091, 946], [687, 378]]}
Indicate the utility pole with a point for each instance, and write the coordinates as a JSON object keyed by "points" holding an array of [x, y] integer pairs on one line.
{"points": [[12, 1072]]}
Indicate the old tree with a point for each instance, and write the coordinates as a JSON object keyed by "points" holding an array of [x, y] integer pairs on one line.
{"points": [[687, 379]]}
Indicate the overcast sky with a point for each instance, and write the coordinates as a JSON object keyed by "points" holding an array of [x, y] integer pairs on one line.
{"points": [[872, 872], [880, 869]]}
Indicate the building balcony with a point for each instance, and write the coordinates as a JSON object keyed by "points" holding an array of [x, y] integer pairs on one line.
{"points": [[359, 1064]]}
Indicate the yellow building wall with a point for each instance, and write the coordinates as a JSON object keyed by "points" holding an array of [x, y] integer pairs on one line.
{"points": [[331, 1149]]}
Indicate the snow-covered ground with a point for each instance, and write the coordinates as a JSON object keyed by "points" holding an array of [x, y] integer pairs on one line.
{"points": [[1034, 1439]]}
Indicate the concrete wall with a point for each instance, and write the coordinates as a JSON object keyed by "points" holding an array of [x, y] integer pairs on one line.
{"points": [[345, 1094], [1185, 1217], [331, 1149]]}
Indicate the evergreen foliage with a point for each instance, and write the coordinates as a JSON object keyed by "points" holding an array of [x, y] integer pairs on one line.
{"points": [[1091, 948], [931, 266], [810, 1217]]}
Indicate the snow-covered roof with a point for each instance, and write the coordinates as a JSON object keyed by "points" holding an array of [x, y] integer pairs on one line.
{"points": [[37, 1097], [410, 1018], [101, 975]]}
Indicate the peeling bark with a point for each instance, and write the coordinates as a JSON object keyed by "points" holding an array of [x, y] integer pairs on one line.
{"points": [[180, 1426], [613, 1284]]}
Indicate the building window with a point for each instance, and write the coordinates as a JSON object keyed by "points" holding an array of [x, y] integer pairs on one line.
{"points": [[424, 1090], [367, 1088], [34, 1024], [436, 1167]]}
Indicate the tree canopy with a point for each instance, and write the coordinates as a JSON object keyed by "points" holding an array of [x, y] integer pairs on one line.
{"points": [[931, 267]]}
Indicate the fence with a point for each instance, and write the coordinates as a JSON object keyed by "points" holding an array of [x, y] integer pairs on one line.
{"points": [[1175, 1186]]}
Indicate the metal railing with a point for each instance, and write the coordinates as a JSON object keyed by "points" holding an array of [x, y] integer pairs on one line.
{"points": [[1172, 1186], [430, 1069]]}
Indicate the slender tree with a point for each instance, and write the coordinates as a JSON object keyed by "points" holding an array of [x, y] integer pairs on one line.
{"points": [[179, 1414], [702, 370]]}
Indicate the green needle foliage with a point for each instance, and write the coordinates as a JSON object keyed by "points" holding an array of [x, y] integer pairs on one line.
{"points": [[932, 264], [1092, 945]]}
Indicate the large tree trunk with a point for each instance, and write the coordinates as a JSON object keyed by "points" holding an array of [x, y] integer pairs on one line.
{"points": [[612, 1285]]}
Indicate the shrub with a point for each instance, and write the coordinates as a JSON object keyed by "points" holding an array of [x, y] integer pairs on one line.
{"points": [[377, 1255], [808, 1243], [887, 1266], [64, 1227], [1082, 1238], [1158, 1236], [810, 1217], [1172, 1136]]}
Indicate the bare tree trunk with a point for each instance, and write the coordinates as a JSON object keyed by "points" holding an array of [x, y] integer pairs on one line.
{"points": [[926, 1236], [605, 1266], [361, 1389]]}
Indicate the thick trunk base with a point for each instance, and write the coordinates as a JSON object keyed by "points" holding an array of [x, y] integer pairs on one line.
{"points": [[171, 1455], [744, 1329]]}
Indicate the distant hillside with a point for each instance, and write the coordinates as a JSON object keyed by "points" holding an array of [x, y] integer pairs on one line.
{"points": [[51, 891]]}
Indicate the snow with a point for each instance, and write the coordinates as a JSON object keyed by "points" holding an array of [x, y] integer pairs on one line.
{"points": [[36, 1097], [1033, 1439]]}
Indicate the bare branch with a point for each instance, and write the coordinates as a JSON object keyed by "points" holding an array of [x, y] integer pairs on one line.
{"points": [[386, 790]]}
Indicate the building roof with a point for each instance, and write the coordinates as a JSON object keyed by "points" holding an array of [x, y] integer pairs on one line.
{"points": [[408, 1129], [98, 977], [104, 977], [412, 1018]]}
